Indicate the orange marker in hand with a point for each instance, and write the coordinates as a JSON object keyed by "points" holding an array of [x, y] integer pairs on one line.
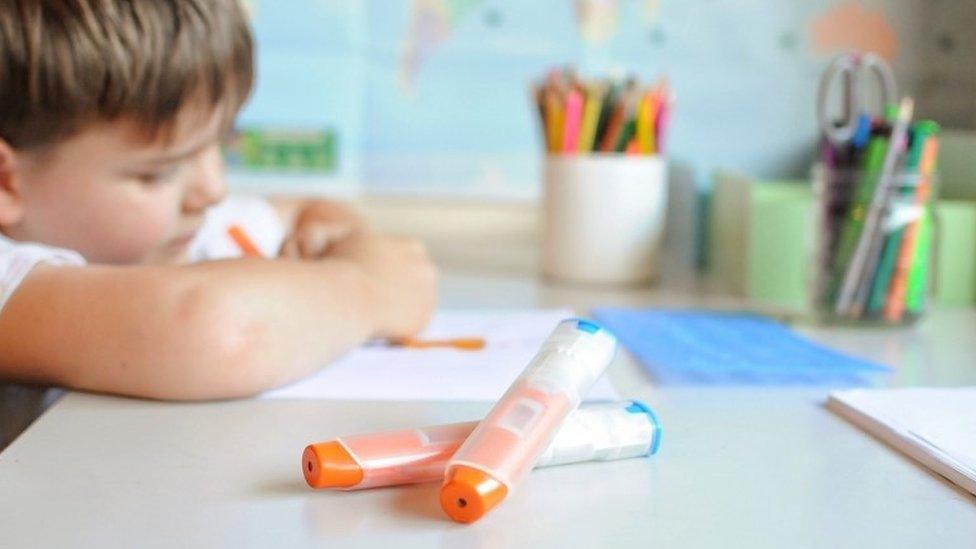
{"points": [[244, 242]]}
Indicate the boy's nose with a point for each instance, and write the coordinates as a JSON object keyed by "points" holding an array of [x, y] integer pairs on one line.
{"points": [[206, 185]]}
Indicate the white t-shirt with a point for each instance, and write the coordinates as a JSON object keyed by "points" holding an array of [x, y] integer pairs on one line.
{"points": [[18, 258], [252, 214], [19, 404]]}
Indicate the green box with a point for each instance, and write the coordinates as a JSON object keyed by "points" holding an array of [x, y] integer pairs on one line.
{"points": [[761, 240], [957, 165], [781, 240], [955, 252]]}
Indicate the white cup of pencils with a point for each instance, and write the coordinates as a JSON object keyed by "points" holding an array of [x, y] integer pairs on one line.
{"points": [[604, 178]]}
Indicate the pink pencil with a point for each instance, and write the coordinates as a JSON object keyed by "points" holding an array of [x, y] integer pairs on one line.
{"points": [[574, 116], [661, 123]]}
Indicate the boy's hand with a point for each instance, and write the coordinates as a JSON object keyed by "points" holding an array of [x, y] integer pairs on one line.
{"points": [[318, 225], [403, 277]]}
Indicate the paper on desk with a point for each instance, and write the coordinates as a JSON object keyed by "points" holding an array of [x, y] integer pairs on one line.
{"points": [[388, 373], [935, 426]]}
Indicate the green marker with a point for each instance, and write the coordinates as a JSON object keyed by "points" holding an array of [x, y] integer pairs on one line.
{"points": [[891, 112], [864, 190], [918, 274], [924, 129]]}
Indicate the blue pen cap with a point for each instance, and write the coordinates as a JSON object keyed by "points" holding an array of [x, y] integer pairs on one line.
{"points": [[638, 407], [592, 327], [587, 326]]}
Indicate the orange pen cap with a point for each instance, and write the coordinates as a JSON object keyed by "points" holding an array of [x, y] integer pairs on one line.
{"points": [[469, 493], [329, 465]]}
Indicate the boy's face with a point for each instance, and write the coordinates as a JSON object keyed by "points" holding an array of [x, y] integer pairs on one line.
{"points": [[114, 198]]}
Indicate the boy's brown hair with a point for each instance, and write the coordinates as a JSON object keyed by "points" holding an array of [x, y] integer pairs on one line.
{"points": [[67, 63]]}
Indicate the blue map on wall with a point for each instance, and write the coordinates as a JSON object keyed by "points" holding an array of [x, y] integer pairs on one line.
{"points": [[431, 96]]}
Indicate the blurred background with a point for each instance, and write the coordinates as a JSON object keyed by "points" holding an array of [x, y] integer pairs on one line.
{"points": [[429, 100], [430, 97]]}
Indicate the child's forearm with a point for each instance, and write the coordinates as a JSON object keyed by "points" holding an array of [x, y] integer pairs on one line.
{"points": [[214, 330], [284, 319], [287, 208]]}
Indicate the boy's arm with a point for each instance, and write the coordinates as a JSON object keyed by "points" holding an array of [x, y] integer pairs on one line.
{"points": [[213, 330], [313, 225], [287, 208]]}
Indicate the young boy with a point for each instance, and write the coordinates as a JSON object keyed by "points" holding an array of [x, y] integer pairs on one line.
{"points": [[111, 113]]}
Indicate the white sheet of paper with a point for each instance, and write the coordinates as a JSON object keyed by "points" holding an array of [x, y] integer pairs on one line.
{"points": [[387, 373], [936, 426]]}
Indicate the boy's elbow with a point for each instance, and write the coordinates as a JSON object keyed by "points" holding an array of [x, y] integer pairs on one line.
{"points": [[225, 348]]}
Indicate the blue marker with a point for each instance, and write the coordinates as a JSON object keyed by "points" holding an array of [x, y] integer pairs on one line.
{"points": [[605, 432]]}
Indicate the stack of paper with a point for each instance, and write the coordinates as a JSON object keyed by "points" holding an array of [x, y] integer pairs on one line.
{"points": [[937, 427], [379, 372]]}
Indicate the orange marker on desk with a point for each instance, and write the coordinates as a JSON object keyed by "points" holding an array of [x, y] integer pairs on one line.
{"points": [[459, 343], [595, 432], [508, 442]]}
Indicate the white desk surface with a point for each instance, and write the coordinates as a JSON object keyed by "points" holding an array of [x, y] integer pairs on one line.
{"points": [[737, 468]]}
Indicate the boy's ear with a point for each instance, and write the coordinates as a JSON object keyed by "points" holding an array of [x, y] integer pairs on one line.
{"points": [[11, 194]]}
